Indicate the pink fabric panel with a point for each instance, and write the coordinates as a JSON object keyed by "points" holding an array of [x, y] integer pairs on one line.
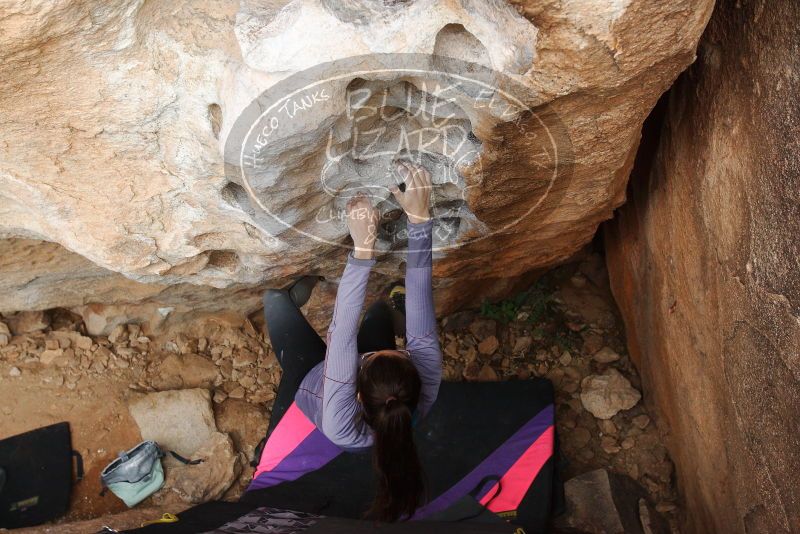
{"points": [[520, 476], [293, 428]]}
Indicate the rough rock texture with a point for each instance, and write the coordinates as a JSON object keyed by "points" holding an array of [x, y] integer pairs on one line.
{"points": [[605, 395], [704, 264], [208, 480], [245, 422], [178, 371], [38, 275], [600, 502], [180, 420], [27, 321], [113, 118], [183, 421]]}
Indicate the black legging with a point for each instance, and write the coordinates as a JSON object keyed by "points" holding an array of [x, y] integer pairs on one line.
{"points": [[299, 348]]}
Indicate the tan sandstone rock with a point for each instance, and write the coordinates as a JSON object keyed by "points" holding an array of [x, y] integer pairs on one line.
{"points": [[246, 423], [177, 371], [208, 480], [709, 241], [607, 394], [115, 117], [26, 322], [606, 355], [180, 420]]}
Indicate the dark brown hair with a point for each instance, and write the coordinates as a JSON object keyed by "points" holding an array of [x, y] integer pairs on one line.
{"points": [[389, 387]]}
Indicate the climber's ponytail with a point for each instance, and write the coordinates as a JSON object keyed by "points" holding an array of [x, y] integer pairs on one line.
{"points": [[389, 387]]}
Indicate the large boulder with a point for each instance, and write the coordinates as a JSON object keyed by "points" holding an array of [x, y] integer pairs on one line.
{"points": [[116, 117], [703, 261], [183, 421]]}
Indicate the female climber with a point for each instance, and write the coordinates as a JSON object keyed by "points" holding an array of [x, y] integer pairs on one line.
{"points": [[360, 391]]}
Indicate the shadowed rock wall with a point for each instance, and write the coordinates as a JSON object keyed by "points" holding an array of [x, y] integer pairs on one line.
{"points": [[704, 260]]}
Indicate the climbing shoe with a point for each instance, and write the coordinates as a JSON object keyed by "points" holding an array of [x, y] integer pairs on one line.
{"points": [[397, 297], [300, 290]]}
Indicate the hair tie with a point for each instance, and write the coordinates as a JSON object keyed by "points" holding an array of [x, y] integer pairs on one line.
{"points": [[389, 399]]}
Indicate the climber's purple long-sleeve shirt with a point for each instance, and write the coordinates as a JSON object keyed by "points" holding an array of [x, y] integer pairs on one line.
{"points": [[327, 395]]}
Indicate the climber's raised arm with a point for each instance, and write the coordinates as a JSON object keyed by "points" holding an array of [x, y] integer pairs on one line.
{"points": [[422, 338], [339, 403]]}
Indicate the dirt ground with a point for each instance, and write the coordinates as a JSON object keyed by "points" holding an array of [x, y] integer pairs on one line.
{"points": [[46, 377], [558, 329], [100, 423]]}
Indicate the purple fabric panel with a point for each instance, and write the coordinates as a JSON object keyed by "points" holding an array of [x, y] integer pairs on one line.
{"points": [[313, 453], [497, 463]]}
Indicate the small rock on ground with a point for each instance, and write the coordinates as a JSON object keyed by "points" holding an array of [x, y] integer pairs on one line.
{"points": [[606, 355], [607, 394]]}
